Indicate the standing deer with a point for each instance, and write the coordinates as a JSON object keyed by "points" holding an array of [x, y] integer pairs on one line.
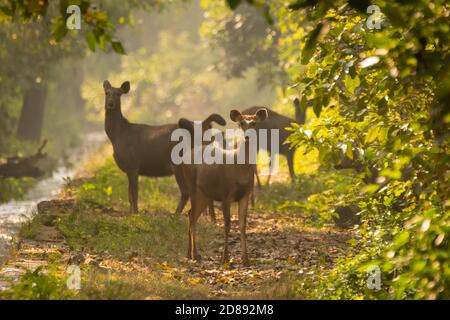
{"points": [[143, 150], [280, 122], [223, 182]]}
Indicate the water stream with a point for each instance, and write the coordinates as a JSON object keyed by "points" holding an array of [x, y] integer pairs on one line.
{"points": [[14, 213]]}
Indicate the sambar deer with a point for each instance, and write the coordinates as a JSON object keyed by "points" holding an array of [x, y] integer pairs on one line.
{"points": [[143, 150], [279, 122], [226, 182]]}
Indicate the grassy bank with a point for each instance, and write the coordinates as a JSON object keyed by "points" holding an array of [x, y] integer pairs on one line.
{"points": [[142, 256]]}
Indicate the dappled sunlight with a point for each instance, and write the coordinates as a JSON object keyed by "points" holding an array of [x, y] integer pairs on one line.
{"points": [[106, 107]]}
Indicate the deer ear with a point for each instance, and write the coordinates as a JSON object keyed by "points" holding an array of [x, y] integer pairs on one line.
{"points": [[217, 118], [125, 87], [235, 115], [106, 85], [184, 123], [262, 114]]}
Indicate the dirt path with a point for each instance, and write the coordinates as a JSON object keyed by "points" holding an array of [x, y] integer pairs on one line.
{"points": [[281, 248], [278, 248]]}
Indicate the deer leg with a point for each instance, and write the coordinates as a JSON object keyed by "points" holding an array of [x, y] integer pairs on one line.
{"points": [[270, 170], [252, 199], [243, 209], [212, 214], [133, 186], [227, 225], [199, 203], [189, 234], [183, 200], [258, 181], [130, 195], [183, 190], [290, 160]]}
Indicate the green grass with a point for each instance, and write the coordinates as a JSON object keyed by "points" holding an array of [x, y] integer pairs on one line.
{"points": [[155, 240], [100, 220], [152, 235], [313, 194], [99, 224], [109, 189], [33, 226], [312, 197]]}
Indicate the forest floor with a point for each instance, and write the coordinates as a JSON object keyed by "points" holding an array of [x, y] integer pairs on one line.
{"points": [[143, 256]]}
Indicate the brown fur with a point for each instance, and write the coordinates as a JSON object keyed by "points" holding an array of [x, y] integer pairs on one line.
{"points": [[142, 150], [223, 182], [280, 122]]}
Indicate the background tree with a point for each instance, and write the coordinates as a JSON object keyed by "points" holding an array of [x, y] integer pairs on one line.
{"points": [[34, 37]]}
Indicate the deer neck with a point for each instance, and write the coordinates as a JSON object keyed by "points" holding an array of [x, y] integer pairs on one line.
{"points": [[245, 147], [114, 122]]}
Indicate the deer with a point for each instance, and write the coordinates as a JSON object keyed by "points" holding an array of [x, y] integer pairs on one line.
{"points": [[226, 183], [280, 122], [143, 150]]}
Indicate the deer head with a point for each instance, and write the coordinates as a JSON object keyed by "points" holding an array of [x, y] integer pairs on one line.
{"points": [[112, 95], [248, 122]]}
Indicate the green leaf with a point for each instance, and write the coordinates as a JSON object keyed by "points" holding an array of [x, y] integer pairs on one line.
{"points": [[233, 3], [351, 83], [310, 45], [303, 103], [117, 47], [401, 239], [90, 38], [349, 151], [372, 134], [325, 100], [60, 29], [317, 107]]}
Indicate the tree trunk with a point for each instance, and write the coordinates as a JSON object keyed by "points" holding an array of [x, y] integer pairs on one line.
{"points": [[32, 114]]}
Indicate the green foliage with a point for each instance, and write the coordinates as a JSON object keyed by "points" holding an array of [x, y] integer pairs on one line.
{"points": [[312, 197], [12, 188], [240, 38], [36, 48], [379, 98], [97, 21], [40, 284]]}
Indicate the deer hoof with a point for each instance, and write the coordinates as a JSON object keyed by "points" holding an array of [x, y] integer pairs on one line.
{"points": [[195, 257]]}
